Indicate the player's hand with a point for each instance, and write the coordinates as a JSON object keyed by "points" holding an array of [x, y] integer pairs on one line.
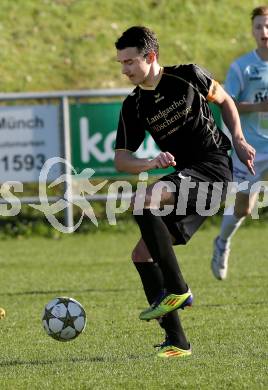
{"points": [[163, 160], [246, 154]]}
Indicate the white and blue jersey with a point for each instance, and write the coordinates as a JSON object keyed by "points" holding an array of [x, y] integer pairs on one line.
{"points": [[247, 81]]}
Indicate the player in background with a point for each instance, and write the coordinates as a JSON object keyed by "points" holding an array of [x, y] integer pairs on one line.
{"points": [[172, 104], [247, 83]]}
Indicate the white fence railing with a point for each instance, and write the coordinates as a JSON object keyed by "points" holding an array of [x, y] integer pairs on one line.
{"points": [[63, 98]]}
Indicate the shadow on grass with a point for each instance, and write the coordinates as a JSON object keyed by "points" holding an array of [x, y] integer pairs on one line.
{"points": [[59, 292], [94, 359], [260, 303], [16, 362]]}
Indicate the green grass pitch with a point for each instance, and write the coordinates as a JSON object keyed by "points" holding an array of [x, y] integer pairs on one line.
{"points": [[227, 325]]}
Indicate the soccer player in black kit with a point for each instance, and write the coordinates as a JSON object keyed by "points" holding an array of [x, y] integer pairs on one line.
{"points": [[171, 103]]}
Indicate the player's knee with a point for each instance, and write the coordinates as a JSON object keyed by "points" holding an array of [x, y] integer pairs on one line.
{"points": [[139, 201], [241, 213], [136, 255], [140, 255], [132, 202]]}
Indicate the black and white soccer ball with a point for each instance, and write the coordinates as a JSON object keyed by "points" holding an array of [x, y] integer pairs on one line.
{"points": [[64, 318]]}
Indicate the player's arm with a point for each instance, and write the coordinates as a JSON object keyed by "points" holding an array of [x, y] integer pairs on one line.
{"points": [[234, 86], [126, 161], [230, 116]]}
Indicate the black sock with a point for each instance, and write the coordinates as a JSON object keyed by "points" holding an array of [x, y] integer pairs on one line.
{"points": [[158, 241], [174, 331], [153, 283], [151, 278]]}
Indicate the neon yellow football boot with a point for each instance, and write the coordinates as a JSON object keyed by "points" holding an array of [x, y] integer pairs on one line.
{"points": [[170, 351], [165, 304]]}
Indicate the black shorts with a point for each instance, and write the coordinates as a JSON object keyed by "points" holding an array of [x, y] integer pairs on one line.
{"points": [[199, 191]]}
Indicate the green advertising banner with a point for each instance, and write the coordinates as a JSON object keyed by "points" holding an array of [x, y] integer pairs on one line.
{"points": [[93, 129], [93, 133]]}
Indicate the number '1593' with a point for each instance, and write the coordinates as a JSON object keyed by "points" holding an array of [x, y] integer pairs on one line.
{"points": [[26, 162]]}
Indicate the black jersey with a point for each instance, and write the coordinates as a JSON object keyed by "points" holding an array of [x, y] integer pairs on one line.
{"points": [[177, 115]]}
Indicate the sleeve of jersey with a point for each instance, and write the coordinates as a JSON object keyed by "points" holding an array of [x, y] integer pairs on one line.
{"points": [[130, 132], [234, 81], [202, 80]]}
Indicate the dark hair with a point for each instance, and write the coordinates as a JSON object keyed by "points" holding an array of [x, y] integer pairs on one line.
{"points": [[259, 11], [140, 37]]}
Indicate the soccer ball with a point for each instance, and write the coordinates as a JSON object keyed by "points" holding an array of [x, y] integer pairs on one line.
{"points": [[64, 318]]}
